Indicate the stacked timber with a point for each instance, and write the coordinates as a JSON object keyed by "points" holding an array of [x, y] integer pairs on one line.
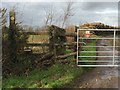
{"points": [[97, 25]]}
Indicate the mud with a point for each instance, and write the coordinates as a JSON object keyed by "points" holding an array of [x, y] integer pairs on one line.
{"points": [[101, 77]]}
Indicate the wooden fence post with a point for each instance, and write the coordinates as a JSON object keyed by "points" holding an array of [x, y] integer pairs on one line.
{"points": [[12, 38], [75, 39], [52, 47], [51, 41], [56, 41], [60, 41]]}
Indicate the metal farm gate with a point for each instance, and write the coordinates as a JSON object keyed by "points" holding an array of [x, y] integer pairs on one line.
{"points": [[97, 47]]}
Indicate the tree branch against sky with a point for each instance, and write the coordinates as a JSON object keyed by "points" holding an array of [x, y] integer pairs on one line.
{"points": [[3, 16], [49, 15], [68, 12], [105, 12]]}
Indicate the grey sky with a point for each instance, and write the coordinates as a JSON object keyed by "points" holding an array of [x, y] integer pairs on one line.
{"points": [[33, 13]]}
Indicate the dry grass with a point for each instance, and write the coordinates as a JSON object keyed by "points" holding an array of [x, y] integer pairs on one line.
{"points": [[38, 39]]}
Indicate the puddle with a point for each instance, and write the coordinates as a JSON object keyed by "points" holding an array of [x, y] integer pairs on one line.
{"points": [[113, 72]]}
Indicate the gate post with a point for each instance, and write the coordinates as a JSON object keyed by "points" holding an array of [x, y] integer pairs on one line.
{"points": [[114, 46], [75, 39]]}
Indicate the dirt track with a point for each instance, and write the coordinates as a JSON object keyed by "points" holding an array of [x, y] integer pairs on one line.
{"points": [[100, 77]]}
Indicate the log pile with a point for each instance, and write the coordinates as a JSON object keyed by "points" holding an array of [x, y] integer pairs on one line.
{"points": [[97, 26]]}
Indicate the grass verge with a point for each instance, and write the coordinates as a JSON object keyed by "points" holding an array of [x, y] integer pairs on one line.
{"points": [[54, 77], [57, 76]]}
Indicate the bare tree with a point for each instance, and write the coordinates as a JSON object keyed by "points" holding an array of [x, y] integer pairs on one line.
{"points": [[3, 16], [68, 12], [49, 15]]}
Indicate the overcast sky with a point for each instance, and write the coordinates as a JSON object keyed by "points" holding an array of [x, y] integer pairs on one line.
{"points": [[33, 13]]}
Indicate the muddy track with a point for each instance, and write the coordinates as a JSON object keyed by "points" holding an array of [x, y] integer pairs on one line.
{"points": [[100, 77]]}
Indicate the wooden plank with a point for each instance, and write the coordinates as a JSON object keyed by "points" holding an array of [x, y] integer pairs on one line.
{"points": [[70, 44], [47, 44], [36, 32], [46, 33], [66, 61], [67, 55], [71, 34], [46, 56], [38, 44]]}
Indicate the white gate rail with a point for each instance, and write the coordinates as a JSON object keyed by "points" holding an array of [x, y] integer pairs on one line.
{"points": [[115, 58]]}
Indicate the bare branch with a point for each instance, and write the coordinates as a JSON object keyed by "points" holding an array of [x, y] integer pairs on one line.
{"points": [[3, 16], [49, 15], [68, 12]]}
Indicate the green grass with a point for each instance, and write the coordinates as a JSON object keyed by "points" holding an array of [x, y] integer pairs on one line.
{"points": [[89, 43], [56, 76], [68, 51]]}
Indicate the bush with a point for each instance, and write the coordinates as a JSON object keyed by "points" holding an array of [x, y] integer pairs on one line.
{"points": [[21, 40]]}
